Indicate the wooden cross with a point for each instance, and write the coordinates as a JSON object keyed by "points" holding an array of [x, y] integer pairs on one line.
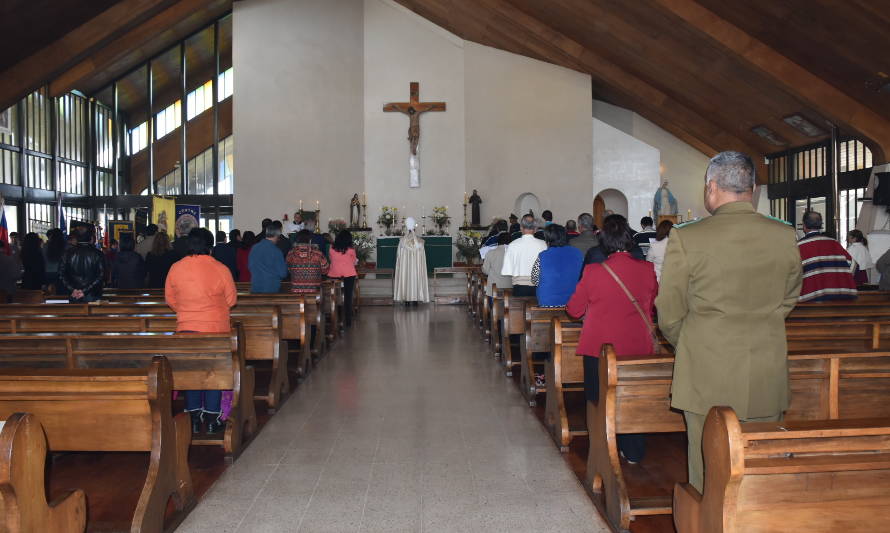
{"points": [[413, 109]]}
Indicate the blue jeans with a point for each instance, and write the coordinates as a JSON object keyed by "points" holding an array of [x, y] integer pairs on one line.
{"points": [[206, 401]]}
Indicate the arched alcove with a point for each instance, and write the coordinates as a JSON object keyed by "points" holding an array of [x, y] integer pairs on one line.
{"points": [[614, 201], [525, 202]]}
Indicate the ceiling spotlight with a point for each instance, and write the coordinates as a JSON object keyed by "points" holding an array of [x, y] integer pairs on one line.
{"points": [[769, 136], [804, 126]]}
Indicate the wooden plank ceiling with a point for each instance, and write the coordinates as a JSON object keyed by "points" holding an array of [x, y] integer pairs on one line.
{"points": [[86, 45], [708, 71]]}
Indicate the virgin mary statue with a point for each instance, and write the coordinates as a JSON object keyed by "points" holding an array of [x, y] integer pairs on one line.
{"points": [[411, 283]]}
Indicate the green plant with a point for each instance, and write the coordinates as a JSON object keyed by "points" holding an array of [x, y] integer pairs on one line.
{"points": [[336, 225], [468, 244], [363, 243], [387, 216], [440, 218]]}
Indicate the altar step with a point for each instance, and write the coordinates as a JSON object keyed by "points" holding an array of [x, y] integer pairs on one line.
{"points": [[446, 289]]}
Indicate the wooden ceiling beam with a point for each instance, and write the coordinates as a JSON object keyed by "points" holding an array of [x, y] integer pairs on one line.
{"points": [[35, 70], [654, 104], [140, 44], [833, 103]]}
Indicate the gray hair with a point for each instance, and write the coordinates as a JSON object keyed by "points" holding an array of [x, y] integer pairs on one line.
{"points": [[309, 224], [528, 222], [812, 220], [733, 172], [585, 221], [273, 231]]}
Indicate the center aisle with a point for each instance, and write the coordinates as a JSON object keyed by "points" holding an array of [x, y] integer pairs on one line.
{"points": [[406, 425]]}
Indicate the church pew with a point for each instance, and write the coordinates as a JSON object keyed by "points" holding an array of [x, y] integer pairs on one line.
{"points": [[862, 335], [816, 476], [513, 324], [481, 303], [120, 410], [23, 505], [497, 314], [296, 316], [262, 335], [330, 299], [200, 361], [565, 374], [26, 296], [536, 337], [635, 398], [486, 314], [298, 313], [850, 309]]}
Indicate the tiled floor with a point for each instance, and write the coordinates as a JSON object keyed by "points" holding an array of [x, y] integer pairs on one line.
{"points": [[408, 425]]}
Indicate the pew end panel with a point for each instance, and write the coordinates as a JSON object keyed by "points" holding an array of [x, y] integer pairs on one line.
{"points": [[112, 411], [497, 315], [536, 337], [565, 375], [23, 505], [820, 476], [634, 397]]}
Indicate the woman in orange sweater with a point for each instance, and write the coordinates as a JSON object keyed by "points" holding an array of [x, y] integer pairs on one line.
{"points": [[201, 291]]}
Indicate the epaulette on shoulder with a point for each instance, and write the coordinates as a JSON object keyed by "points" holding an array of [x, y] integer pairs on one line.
{"points": [[777, 219], [688, 223]]}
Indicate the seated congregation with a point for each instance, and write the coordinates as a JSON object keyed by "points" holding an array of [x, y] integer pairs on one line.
{"points": [[624, 342], [178, 363], [629, 337]]}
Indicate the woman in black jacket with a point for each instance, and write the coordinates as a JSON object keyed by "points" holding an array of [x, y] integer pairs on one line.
{"points": [[159, 260], [128, 269], [33, 264]]}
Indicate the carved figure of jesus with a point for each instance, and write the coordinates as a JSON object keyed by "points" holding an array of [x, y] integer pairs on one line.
{"points": [[414, 108]]}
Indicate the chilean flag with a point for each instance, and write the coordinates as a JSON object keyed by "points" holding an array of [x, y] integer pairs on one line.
{"points": [[63, 224], [4, 229]]}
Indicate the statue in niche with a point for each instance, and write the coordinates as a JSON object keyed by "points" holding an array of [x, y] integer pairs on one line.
{"points": [[664, 202], [475, 201], [355, 212]]}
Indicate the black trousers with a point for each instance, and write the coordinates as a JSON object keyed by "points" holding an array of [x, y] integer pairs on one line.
{"points": [[525, 290], [632, 445], [348, 291]]}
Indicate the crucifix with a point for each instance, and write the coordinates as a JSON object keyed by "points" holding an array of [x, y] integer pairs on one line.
{"points": [[413, 109]]}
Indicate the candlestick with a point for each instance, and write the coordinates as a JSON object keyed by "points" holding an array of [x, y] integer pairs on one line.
{"points": [[301, 205], [689, 214], [317, 203], [466, 198], [650, 213]]}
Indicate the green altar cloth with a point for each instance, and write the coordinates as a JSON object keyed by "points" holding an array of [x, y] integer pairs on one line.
{"points": [[439, 252]]}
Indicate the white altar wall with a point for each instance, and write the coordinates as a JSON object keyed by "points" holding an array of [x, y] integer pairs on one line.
{"points": [[401, 47], [298, 107], [631, 154], [308, 120], [527, 130]]}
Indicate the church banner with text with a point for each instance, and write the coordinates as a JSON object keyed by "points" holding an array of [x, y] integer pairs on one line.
{"points": [[187, 217], [163, 211]]}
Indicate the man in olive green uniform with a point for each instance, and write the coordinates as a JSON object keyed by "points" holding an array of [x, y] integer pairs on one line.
{"points": [[727, 284]]}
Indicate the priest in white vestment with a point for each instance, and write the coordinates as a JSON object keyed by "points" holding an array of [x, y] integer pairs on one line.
{"points": [[411, 283]]}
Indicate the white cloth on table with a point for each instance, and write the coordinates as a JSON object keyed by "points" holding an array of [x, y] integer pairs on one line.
{"points": [[411, 283], [656, 255], [862, 256]]}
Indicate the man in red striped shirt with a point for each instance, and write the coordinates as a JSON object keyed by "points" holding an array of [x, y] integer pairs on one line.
{"points": [[827, 267]]}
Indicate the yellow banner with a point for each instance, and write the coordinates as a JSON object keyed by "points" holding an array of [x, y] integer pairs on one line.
{"points": [[163, 213]]}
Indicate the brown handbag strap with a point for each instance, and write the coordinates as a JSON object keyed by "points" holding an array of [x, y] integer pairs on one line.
{"points": [[633, 300]]}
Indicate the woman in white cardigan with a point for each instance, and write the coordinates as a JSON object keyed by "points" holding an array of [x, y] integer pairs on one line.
{"points": [[658, 247]]}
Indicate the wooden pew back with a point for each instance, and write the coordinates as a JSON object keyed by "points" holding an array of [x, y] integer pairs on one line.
{"points": [[537, 337], [635, 398], [112, 410], [565, 374], [819, 476], [23, 505], [513, 324], [200, 361]]}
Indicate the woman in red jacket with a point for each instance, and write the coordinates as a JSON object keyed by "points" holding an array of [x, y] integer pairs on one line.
{"points": [[611, 315]]}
